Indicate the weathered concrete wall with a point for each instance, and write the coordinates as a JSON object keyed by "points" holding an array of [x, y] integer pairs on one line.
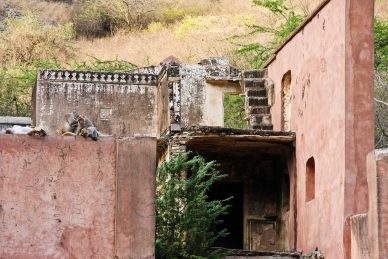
{"points": [[378, 203], [117, 103], [200, 101], [58, 197], [331, 67], [215, 96], [192, 102]]}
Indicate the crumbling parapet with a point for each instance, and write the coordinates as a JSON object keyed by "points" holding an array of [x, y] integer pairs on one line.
{"points": [[121, 103]]}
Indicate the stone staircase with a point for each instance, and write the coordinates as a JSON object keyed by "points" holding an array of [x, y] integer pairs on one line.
{"points": [[258, 91]]}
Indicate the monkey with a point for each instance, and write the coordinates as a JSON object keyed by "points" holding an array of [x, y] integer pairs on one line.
{"points": [[83, 122], [40, 132], [90, 132], [68, 123], [93, 133], [16, 129]]}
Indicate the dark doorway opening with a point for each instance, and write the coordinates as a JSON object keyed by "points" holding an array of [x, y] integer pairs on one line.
{"points": [[234, 220]]}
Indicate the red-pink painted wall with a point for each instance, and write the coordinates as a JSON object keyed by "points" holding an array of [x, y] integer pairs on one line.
{"points": [[378, 203], [59, 197], [331, 64]]}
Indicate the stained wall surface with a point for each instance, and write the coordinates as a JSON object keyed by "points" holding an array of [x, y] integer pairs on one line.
{"points": [[199, 100], [59, 197], [163, 107], [331, 97], [117, 103], [378, 206], [215, 91]]}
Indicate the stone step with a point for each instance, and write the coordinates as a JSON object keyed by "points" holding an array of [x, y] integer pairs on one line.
{"points": [[257, 93], [261, 127], [262, 119], [257, 101], [257, 73], [259, 110], [255, 82]]}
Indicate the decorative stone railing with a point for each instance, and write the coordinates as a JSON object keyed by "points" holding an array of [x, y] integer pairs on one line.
{"points": [[102, 77]]}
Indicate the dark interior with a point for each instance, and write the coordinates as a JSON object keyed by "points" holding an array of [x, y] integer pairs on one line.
{"points": [[233, 221]]}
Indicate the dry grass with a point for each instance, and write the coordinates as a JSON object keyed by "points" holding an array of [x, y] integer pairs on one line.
{"points": [[190, 40], [381, 9], [55, 12]]}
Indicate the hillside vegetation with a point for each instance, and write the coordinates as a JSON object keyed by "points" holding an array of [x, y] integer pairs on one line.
{"points": [[189, 30], [110, 34]]}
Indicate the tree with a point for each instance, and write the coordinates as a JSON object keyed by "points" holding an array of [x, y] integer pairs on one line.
{"points": [[381, 83], [185, 220], [96, 18], [255, 54], [381, 45]]}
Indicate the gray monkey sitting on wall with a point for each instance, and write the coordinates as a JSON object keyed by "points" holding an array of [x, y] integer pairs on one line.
{"points": [[83, 122], [90, 132], [73, 124]]}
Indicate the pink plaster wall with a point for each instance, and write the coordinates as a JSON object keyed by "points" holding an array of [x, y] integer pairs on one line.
{"points": [[331, 64], [378, 203], [136, 188], [58, 196]]}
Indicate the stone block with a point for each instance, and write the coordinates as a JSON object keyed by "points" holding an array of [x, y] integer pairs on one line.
{"points": [[260, 119], [261, 127], [257, 73], [257, 101], [255, 82], [256, 93], [259, 110]]}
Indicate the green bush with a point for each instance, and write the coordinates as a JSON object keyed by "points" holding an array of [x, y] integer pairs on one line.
{"points": [[185, 220], [17, 82], [381, 44], [234, 111]]}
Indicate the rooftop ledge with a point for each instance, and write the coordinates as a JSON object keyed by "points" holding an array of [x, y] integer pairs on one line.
{"points": [[206, 140], [263, 135], [235, 253], [222, 79]]}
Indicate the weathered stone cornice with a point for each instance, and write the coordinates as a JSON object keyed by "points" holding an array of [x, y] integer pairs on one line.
{"points": [[94, 76]]}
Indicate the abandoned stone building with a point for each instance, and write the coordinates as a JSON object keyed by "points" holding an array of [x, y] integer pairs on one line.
{"points": [[303, 176]]}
